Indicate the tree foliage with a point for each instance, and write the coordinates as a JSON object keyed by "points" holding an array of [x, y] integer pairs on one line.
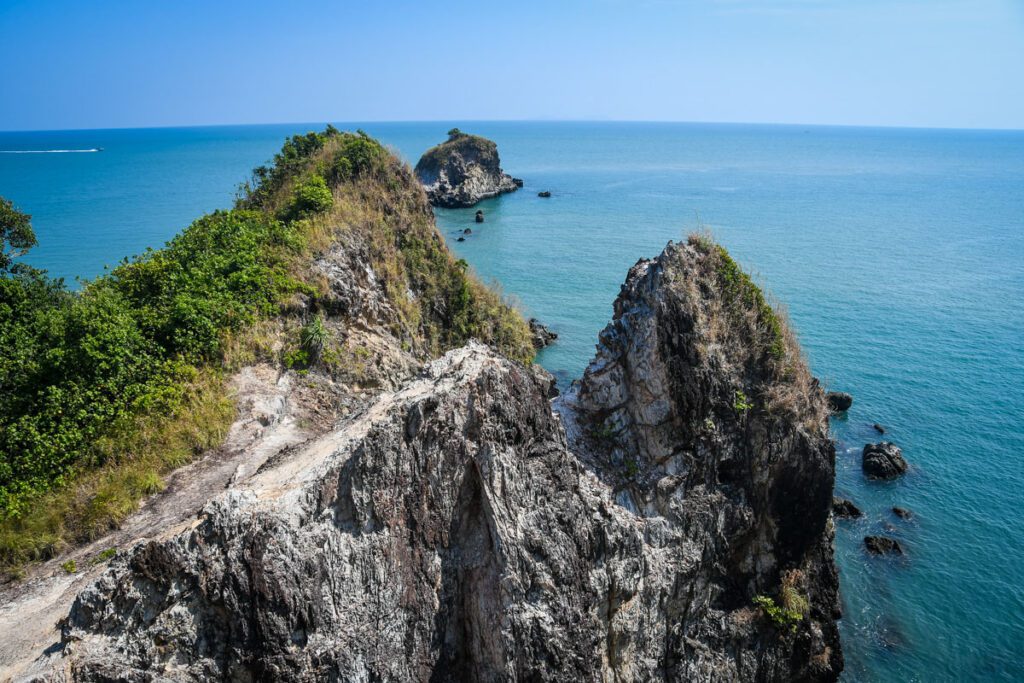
{"points": [[16, 234]]}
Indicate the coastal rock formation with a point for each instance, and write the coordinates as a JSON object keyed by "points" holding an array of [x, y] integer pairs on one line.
{"points": [[843, 508], [883, 460], [541, 335], [699, 412], [459, 525], [839, 401], [882, 545], [902, 513], [462, 171]]}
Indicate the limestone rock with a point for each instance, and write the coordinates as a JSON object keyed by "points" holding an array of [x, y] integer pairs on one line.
{"points": [[463, 527], [462, 171]]}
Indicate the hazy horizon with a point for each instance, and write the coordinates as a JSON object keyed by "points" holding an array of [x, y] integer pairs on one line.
{"points": [[905, 64], [337, 122]]}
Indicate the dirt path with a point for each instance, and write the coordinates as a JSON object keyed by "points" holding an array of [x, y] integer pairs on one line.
{"points": [[268, 423]]}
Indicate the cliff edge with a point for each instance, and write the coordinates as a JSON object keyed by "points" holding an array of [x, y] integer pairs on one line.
{"points": [[463, 170], [667, 519]]}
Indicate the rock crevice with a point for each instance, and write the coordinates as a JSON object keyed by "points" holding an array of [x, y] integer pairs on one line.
{"points": [[463, 527]]}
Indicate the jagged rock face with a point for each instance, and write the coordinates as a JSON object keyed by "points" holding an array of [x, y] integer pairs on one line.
{"points": [[463, 171], [449, 536], [685, 418], [460, 528]]}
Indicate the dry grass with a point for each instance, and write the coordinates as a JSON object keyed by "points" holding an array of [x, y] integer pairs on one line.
{"points": [[751, 331], [135, 461]]}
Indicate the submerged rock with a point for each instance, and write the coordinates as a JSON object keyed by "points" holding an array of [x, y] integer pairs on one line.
{"points": [[902, 513], [844, 508], [545, 193], [479, 216], [462, 171], [879, 428], [882, 545], [542, 336], [883, 460], [467, 231], [839, 401]]}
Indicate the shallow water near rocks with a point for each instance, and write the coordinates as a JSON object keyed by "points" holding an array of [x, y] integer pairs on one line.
{"points": [[898, 253]]}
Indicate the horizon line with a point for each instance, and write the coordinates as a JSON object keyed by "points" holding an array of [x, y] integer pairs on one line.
{"points": [[523, 120]]}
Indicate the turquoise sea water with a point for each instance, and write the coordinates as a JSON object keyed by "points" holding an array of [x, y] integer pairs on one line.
{"points": [[898, 253]]}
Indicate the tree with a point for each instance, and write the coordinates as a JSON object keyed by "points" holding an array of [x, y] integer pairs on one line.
{"points": [[16, 234], [455, 133]]}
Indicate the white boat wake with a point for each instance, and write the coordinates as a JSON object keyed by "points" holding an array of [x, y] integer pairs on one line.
{"points": [[50, 151]]}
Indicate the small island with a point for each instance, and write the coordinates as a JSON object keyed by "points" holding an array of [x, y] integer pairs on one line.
{"points": [[463, 170]]}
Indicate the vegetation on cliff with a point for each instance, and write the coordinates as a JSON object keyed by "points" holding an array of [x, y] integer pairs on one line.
{"points": [[107, 388], [467, 145]]}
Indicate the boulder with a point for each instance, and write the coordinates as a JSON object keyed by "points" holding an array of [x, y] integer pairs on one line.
{"points": [[902, 513], [839, 401], [542, 336], [479, 216], [882, 545], [845, 509], [545, 193], [467, 231], [883, 460]]}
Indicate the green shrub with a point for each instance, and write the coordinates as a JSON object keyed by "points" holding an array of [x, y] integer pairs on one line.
{"points": [[311, 196], [741, 404], [314, 337], [785, 619], [70, 566], [105, 555]]}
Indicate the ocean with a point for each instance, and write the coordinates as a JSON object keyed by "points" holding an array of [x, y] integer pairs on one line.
{"points": [[898, 253]]}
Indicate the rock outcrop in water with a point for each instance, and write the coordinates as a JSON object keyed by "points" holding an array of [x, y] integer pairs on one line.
{"points": [[839, 401], [462, 171], [541, 335], [883, 460], [844, 508], [458, 525]]}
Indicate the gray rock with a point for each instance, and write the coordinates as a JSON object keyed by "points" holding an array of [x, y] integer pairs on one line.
{"points": [[464, 527], [902, 513], [844, 508], [542, 336], [545, 194], [479, 216], [883, 460], [462, 171], [839, 401], [882, 545]]}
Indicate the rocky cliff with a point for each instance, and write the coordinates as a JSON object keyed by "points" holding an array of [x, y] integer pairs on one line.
{"points": [[667, 519], [463, 170]]}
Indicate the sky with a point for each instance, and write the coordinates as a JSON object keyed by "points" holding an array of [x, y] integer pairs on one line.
{"points": [[140, 63]]}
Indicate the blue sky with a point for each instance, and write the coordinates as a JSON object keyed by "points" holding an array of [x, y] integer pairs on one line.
{"points": [[948, 63]]}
